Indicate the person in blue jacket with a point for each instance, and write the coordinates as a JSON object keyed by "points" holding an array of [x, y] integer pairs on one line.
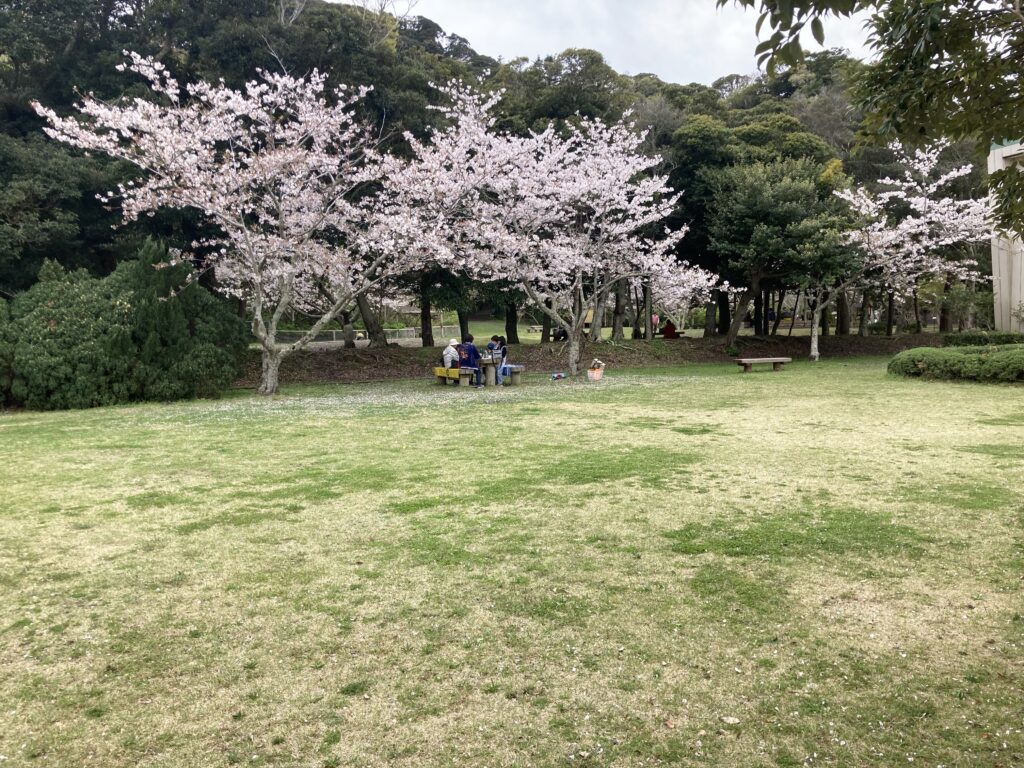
{"points": [[469, 357]]}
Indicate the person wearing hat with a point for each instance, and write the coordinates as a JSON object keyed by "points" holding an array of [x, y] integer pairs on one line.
{"points": [[450, 356]]}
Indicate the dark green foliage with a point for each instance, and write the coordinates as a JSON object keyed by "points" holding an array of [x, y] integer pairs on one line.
{"points": [[54, 49], [943, 68], [5, 353], [577, 82], [779, 221], [188, 345], [48, 206], [1005, 363], [75, 341], [981, 338], [70, 342], [1004, 366]]}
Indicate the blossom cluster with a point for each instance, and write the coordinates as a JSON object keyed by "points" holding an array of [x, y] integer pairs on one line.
{"points": [[909, 227], [563, 215]]}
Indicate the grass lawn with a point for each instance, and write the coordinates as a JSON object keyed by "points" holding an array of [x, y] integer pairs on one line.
{"points": [[691, 566]]}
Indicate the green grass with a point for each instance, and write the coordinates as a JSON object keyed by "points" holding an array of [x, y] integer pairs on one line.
{"points": [[675, 567]]}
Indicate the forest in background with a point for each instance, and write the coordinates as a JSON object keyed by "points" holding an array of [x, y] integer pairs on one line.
{"points": [[51, 50]]}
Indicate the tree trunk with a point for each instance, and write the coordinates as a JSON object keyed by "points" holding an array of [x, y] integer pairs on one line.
{"points": [[426, 320], [374, 331], [946, 313], [597, 321], [619, 315], [890, 315], [778, 312], [865, 314], [269, 376], [796, 308], [917, 314], [575, 348], [648, 312], [826, 318], [818, 319], [349, 331], [843, 314], [723, 313], [758, 312], [710, 315], [741, 311], [545, 326], [637, 329], [512, 323], [635, 305], [463, 323]]}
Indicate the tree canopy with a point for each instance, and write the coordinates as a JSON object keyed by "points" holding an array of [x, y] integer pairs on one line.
{"points": [[942, 69]]}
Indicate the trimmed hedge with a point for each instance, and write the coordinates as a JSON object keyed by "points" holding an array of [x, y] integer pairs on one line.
{"points": [[994, 363], [74, 341], [981, 338]]}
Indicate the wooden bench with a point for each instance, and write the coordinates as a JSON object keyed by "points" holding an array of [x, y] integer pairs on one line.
{"points": [[515, 375], [463, 376], [747, 363], [535, 328]]}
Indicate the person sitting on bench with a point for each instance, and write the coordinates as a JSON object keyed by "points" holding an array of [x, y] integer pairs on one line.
{"points": [[450, 356], [669, 331], [496, 346], [469, 357]]}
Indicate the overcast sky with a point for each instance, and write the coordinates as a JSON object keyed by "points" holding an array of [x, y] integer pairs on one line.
{"points": [[681, 41]]}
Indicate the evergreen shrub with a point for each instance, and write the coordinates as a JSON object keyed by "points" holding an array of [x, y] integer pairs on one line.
{"points": [[989, 363], [142, 333], [981, 338]]}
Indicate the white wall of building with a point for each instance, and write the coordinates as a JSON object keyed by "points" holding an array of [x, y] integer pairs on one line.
{"points": [[1007, 255]]}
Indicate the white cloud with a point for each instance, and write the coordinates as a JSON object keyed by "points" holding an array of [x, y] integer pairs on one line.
{"points": [[679, 40]]}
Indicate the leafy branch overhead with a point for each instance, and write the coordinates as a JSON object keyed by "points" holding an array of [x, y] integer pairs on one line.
{"points": [[941, 69]]}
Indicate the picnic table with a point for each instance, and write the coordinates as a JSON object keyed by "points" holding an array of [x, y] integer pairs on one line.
{"points": [[465, 376], [489, 365]]}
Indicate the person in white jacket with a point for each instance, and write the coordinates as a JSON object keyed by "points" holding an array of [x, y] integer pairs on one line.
{"points": [[450, 356]]}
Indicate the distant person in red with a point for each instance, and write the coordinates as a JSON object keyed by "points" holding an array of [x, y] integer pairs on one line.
{"points": [[669, 331]]}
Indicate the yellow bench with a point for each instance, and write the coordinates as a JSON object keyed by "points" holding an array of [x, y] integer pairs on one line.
{"points": [[462, 376]]}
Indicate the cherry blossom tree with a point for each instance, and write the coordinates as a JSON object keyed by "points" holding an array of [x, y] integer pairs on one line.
{"points": [[446, 192], [283, 171], [576, 215], [562, 217], [907, 231], [679, 288]]}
